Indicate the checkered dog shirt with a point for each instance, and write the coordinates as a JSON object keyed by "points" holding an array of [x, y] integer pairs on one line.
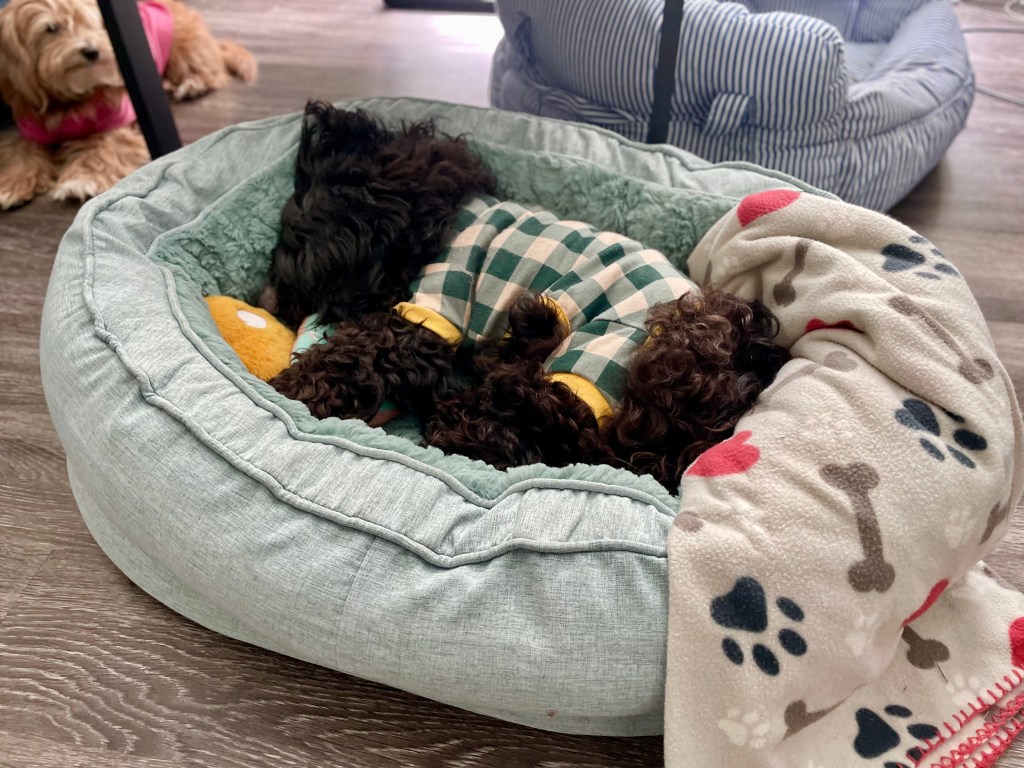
{"points": [[601, 283]]}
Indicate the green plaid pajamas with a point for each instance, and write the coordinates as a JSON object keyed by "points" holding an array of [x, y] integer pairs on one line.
{"points": [[603, 282]]}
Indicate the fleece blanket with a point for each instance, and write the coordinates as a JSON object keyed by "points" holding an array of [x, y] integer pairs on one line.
{"points": [[828, 604]]}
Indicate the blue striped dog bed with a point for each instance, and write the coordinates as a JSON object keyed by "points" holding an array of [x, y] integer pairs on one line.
{"points": [[859, 97]]}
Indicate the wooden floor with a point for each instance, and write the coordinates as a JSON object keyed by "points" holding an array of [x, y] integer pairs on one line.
{"points": [[93, 672]]}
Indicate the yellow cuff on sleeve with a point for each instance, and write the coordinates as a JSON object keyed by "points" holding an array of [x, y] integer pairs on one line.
{"points": [[587, 392], [431, 320], [563, 318]]}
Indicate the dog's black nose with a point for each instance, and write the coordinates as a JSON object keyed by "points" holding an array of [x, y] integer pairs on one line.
{"points": [[90, 53]]}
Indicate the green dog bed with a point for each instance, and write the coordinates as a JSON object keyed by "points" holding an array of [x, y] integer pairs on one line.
{"points": [[537, 595]]}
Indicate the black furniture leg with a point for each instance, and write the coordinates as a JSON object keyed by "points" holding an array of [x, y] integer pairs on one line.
{"points": [[152, 108], [477, 6], [665, 71]]}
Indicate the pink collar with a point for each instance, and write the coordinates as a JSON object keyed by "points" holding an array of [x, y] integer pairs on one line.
{"points": [[83, 122], [104, 116]]}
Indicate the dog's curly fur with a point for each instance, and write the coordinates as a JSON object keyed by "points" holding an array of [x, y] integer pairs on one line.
{"points": [[371, 208], [516, 415], [378, 357], [710, 354]]}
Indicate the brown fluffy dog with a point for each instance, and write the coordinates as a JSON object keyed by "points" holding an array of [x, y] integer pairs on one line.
{"points": [[57, 68]]}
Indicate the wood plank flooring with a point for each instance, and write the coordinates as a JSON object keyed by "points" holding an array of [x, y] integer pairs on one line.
{"points": [[93, 672]]}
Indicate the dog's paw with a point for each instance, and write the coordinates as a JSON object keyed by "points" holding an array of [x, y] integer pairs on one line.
{"points": [[15, 193], [238, 61], [78, 189], [192, 87], [17, 190], [21, 180]]}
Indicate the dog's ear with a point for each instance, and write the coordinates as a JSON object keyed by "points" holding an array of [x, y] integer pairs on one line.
{"points": [[329, 133], [19, 82], [709, 356]]}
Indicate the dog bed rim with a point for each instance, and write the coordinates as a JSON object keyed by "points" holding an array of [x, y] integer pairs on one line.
{"points": [[106, 204]]}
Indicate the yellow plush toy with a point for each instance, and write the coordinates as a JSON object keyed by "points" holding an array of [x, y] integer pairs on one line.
{"points": [[261, 341]]}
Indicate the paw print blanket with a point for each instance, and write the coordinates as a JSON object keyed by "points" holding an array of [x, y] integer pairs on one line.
{"points": [[828, 604]]}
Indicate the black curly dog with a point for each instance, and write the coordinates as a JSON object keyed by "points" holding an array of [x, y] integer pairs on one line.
{"points": [[372, 206]]}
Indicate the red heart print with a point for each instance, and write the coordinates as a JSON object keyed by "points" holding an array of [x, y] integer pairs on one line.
{"points": [[759, 204], [816, 324], [1017, 643], [731, 457], [937, 590]]}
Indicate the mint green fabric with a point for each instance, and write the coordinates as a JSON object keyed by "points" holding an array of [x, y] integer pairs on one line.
{"points": [[537, 595]]}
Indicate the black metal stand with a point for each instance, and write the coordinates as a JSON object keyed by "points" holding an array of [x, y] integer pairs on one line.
{"points": [[665, 71], [477, 6], [152, 108]]}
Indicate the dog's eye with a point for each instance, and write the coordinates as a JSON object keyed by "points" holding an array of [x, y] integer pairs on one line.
{"points": [[52, 28]]}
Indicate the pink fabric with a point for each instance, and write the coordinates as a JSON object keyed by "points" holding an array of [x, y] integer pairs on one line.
{"points": [[159, 27]]}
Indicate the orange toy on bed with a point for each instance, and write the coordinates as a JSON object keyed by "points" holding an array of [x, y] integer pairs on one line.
{"points": [[261, 341]]}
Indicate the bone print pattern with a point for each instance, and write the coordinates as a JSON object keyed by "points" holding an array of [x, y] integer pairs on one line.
{"points": [[784, 292], [996, 518], [924, 653], [975, 371], [857, 480], [797, 717]]}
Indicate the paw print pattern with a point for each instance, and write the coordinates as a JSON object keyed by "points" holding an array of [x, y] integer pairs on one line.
{"points": [[748, 730], [877, 737], [964, 691], [746, 608], [918, 415], [899, 258]]}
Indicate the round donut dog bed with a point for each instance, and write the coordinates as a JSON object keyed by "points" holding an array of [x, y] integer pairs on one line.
{"points": [[515, 594], [537, 595], [859, 98]]}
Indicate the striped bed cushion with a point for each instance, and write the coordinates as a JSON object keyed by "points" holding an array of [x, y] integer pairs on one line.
{"points": [[859, 97]]}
